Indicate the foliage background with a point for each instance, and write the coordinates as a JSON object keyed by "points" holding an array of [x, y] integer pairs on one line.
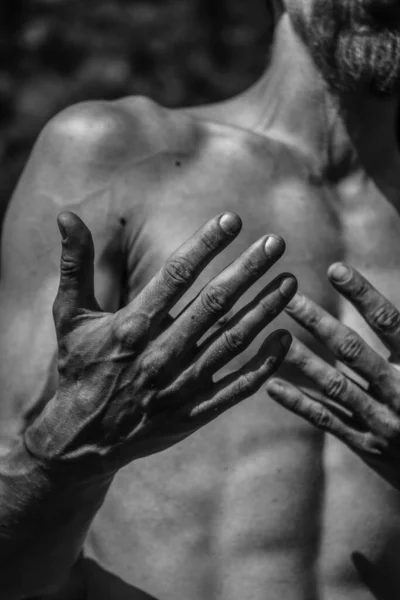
{"points": [[57, 52]]}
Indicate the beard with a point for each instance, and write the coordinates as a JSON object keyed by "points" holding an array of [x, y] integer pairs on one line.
{"points": [[356, 44]]}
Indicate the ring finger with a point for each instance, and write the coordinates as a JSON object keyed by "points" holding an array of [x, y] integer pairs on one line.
{"points": [[244, 327]]}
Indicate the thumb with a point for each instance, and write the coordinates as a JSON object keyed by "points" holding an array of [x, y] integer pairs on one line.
{"points": [[76, 287]]}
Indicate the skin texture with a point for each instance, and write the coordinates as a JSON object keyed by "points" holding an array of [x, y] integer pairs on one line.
{"points": [[358, 401], [259, 500], [136, 382], [131, 384], [365, 417]]}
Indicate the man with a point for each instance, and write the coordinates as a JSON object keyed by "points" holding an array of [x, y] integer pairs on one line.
{"points": [[258, 504]]}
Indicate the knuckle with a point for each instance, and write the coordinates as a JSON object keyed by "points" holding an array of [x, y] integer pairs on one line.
{"points": [[359, 289], [386, 319], [233, 340], [251, 266], [209, 241], [389, 425], [300, 360], [131, 331], [308, 312], [366, 445], [215, 299], [178, 271], [69, 267], [349, 348], [367, 411], [297, 406], [270, 307], [372, 444], [312, 318], [336, 386], [153, 365], [246, 385], [271, 365], [321, 419]]}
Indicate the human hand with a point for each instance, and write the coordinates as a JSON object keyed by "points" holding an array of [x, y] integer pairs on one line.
{"points": [[367, 420], [136, 382]]}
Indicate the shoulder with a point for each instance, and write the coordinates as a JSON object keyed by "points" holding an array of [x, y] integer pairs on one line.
{"points": [[77, 154], [82, 148], [74, 166], [103, 134], [104, 131]]}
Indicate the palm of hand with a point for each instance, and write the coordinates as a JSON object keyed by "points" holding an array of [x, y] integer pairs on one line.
{"points": [[136, 382]]}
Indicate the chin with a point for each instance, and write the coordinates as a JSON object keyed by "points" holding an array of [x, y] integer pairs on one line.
{"points": [[355, 52]]}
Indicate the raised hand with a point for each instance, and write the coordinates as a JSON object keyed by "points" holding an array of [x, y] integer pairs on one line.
{"points": [[136, 382], [366, 418]]}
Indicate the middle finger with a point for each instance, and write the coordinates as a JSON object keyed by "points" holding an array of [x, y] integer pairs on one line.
{"points": [[220, 295], [344, 343]]}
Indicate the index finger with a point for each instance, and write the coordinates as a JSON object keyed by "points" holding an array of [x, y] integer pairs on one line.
{"points": [[183, 267], [378, 312]]}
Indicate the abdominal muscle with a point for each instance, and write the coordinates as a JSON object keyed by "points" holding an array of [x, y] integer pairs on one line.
{"points": [[231, 513]]}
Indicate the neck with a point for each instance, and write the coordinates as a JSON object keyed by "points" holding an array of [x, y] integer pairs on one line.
{"points": [[341, 134]]}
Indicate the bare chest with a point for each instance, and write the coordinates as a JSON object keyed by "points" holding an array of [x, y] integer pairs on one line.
{"points": [[270, 190]]}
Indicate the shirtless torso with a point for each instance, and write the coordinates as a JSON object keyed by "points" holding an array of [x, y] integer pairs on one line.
{"points": [[257, 505]]}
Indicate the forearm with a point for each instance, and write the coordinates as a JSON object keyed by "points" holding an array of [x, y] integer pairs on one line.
{"points": [[44, 518]]}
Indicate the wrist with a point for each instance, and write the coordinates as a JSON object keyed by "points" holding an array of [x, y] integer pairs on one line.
{"points": [[47, 442], [37, 498], [44, 519], [21, 470]]}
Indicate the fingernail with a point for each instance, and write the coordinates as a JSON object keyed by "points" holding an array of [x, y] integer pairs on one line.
{"points": [[230, 223], [62, 231], [272, 244], [288, 287], [339, 272]]}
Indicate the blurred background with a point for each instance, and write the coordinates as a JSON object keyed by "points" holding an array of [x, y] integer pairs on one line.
{"points": [[179, 52]]}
